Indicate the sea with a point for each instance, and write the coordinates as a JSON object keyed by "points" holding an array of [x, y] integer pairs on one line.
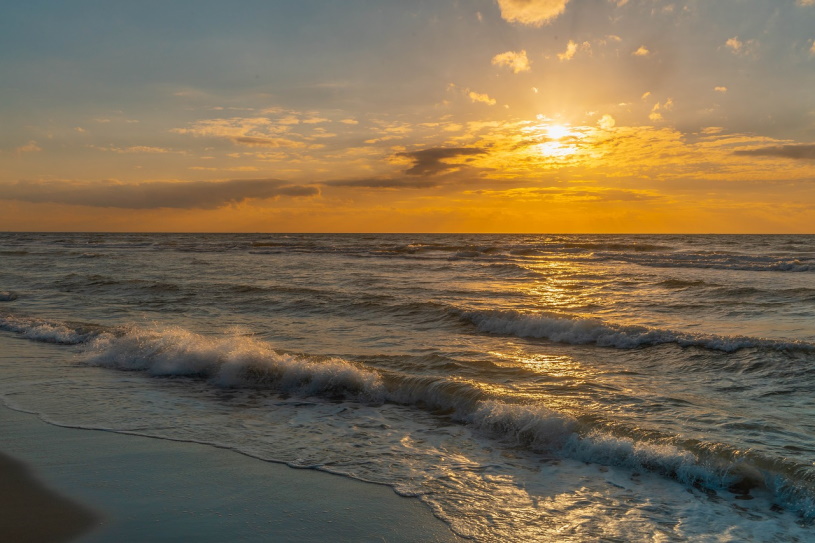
{"points": [[523, 387]]}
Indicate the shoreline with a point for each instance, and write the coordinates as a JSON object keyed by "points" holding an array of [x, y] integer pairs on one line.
{"points": [[94, 486]]}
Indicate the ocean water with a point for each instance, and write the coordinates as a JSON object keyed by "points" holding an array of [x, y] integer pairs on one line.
{"points": [[524, 387]]}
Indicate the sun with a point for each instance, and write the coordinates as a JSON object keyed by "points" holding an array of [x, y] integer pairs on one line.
{"points": [[556, 147], [556, 141], [558, 131]]}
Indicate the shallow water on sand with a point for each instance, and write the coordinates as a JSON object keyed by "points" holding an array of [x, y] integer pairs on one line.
{"points": [[579, 387]]}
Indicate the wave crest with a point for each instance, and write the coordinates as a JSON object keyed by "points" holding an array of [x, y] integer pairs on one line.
{"points": [[572, 330], [46, 331], [232, 361]]}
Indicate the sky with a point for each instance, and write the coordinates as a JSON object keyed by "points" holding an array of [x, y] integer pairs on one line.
{"points": [[556, 116]]}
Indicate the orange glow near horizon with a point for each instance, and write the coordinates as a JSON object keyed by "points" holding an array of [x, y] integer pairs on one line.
{"points": [[601, 130]]}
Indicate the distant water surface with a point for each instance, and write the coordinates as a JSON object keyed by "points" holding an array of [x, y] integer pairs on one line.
{"points": [[550, 387]]}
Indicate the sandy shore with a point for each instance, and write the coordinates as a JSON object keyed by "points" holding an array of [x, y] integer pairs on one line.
{"points": [[32, 513], [132, 489]]}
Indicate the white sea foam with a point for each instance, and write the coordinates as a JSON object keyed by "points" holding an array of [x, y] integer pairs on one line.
{"points": [[43, 330], [543, 430], [234, 360], [587, 331]]}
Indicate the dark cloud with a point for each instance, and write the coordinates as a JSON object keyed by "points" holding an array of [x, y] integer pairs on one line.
{"points": [[162, 194], [799, 152], [400, 183], [430, 161]]}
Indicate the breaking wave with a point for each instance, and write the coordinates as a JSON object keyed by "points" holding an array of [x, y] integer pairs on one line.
{"points": [[231, 361], [47, 331], [237, 360], [562, 328]]}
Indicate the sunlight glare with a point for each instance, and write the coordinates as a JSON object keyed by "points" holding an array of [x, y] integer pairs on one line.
{"points": [[558, 131]]}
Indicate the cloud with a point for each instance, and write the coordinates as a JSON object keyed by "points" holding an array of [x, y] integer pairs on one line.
{"points": [[720, 89], [482, 98], [655, 115], [430, 161], [570, 195], [134, 149], [153, 195], [399, 183], [735, 44], [738, 47], [571, 49], [641, 52], [515, 61], [255, 141], [531, 12], [806, 2], [798, 152], [227, 128], [606, 122], [30, 147]]}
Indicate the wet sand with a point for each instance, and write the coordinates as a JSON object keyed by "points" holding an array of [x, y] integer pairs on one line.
{"points": [[128, 488], [33, 513]]}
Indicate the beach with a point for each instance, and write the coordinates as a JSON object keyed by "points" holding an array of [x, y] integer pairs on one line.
{"points": [[32, 512], [60, 483]]}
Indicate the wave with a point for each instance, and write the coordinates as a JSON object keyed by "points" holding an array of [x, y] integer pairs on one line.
{"points": [[511, 270], [681, 284], [572, 330], [556, 327], [48, 331], [7, 296], [618, 247], [718, 260], [231, 361], [236, 360], [714, 466], [94, 282]]}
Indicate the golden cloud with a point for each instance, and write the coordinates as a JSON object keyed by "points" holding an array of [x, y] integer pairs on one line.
{"points": [[531, 12], [515, 61], [481, 98]]}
